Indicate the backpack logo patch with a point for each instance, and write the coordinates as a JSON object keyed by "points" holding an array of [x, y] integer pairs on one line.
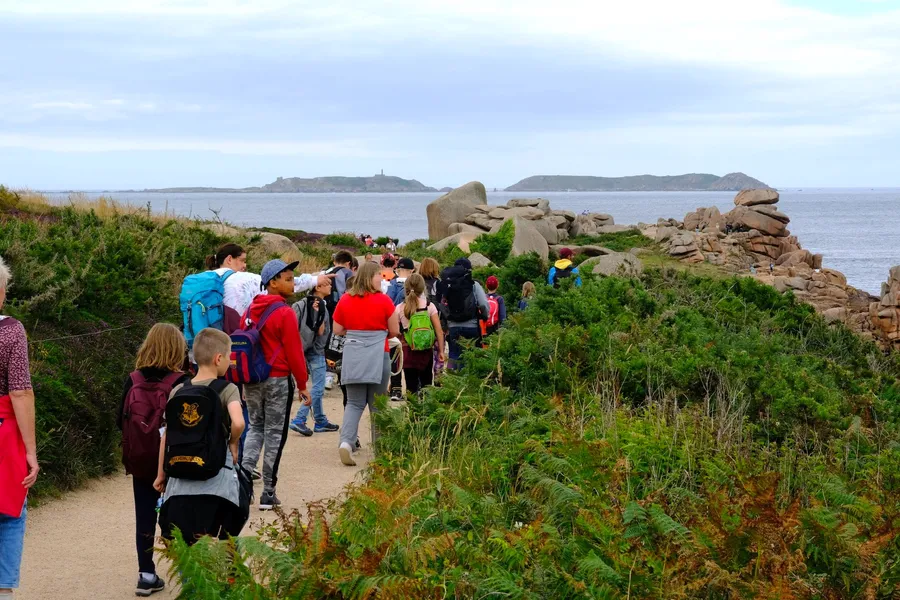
{"points": [[190, 415]]}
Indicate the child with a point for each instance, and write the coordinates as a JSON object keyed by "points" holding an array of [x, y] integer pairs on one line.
{"points": [[269, 402], [212, 506], [528, 293], [315, 329], [418, 362], [405, 268], [496, 307], [139, 417], [388, 262], [342, 269]]}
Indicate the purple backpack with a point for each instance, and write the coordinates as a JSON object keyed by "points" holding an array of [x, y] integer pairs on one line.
{"points": [[248, 361], [142, 417]]}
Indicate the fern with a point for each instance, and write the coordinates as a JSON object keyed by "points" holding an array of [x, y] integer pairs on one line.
{"points": [[665, 525], [597, 568]]}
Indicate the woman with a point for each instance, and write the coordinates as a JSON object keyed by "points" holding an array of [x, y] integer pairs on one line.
{"points": [[366, 317], [18, 445], [157, 372], [418, 364]]}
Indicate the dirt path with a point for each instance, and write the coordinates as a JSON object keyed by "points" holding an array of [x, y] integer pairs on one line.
{"points": [[82, 547]]}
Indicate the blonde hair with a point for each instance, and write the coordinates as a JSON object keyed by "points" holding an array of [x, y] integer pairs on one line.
{"points": [[163, 348], [5, 275], [362, 283], [528, 290], [208, 343], [430, 268], [414, 287]]}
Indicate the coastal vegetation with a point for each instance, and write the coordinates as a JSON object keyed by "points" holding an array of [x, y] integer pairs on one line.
{"points": [[637, 183], [676, 435]]}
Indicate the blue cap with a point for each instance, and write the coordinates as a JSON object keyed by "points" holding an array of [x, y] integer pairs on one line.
{"points": [[273, 269]]}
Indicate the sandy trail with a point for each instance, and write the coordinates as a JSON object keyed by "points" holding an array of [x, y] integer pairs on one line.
{"points": [[82, 546]]}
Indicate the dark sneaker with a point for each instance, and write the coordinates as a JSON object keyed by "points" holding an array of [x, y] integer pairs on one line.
{"points": [[145, 588], [301, 428], [396, 395], [357, 446], [326, 427], [268, 501]]}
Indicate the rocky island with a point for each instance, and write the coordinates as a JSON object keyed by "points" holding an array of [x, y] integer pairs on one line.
{"points": [[733, 182], [376, 184]]}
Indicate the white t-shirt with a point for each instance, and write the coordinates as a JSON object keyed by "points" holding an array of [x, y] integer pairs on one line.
{"points": [[242, 287]]}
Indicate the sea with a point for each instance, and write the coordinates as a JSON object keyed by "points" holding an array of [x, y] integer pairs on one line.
{"points": [[857, 230]]}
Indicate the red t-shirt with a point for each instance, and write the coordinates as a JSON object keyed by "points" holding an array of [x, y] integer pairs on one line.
{"points": [[364, 313]]}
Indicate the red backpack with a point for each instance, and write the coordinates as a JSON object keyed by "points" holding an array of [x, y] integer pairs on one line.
{"points": [[493, 310], [142, 418]]}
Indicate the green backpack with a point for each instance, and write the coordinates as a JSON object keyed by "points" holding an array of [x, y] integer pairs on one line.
{"points": [[420, 333]]}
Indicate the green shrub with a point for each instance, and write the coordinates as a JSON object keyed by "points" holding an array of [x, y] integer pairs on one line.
{"points": [[382, 241], [344, 239], [496, 246], [513, 274], [618, 242], [665, 437]]}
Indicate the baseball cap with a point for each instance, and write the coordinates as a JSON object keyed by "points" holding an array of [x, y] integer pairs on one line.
{"points": [[273, 269], [492, 282], [566, 253], [406, 263]]}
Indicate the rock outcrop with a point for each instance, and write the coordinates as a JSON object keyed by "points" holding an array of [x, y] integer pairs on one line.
{"points": [[528, 239], [454, 207], [623, 264], [274, 244], [885, 312]]}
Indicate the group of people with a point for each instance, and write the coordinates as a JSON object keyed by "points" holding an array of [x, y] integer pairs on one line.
{"points": [[390, 245], [210, 400]]}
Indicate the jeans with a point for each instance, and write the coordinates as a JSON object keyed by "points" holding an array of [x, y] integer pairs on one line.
{"points": [[360, 395], [269, 404], [145, 498], [12, 536], [453, 337], [318, 369]]}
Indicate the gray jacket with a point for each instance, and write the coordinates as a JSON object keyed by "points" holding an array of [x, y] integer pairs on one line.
{"points": [[363, 360], [313, 343], [482, 302]]}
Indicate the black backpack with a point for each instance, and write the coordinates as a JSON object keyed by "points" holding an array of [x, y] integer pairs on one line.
{"points": [[332, 300], [195, 432], [459, 293], [562, 274]]}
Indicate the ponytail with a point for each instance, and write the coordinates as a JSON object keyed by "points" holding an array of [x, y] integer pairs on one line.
{"points": [[415, 287], [214, 261]]}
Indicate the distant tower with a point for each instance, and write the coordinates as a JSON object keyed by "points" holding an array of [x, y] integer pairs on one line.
{"points": [[382, 172]]}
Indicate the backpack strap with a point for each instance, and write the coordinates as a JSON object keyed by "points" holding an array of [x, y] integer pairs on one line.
{"points": [[137, 378], [268, 313], [172, 378], [218, 386], [224, 276]]}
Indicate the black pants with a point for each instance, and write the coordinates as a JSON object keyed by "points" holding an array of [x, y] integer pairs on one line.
{"points": [[416, 379], [396, 380], [145, 498]]}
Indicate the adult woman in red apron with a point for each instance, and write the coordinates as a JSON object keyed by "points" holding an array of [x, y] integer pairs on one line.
{"points": [[18, 449]]}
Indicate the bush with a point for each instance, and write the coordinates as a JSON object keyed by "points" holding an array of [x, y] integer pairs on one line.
{"points": [[618, 242], [513, 274], [345, 240], [496, 246], [668, 437]]}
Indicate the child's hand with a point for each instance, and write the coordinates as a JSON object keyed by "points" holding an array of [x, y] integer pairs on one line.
{"points": [[304, 395], [160, 484]]}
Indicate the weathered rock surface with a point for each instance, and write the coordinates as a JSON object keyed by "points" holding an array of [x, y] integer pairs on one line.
{"points": [[454, 207], [464, 228], [756, 197], [623, 264], [480, 260], [885, 313], [274, 244], [588, 250], [528, 239], [458, 239]]}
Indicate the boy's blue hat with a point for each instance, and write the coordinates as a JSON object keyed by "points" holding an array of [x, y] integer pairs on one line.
{"points": [[273, 269]]}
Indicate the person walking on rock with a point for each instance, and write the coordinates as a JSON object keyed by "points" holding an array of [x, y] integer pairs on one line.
{"points": [[18, 444], [366, 317]]}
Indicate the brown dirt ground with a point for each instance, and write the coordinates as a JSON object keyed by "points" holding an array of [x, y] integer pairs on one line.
{"points": [[82, 546]]}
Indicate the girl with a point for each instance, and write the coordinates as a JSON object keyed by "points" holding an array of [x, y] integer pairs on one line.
{"points": [[418, 365], [157, 372], [528, 292], [366, 317]]}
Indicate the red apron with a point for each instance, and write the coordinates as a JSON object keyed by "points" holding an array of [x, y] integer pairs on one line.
{"points": [[13, 465]]}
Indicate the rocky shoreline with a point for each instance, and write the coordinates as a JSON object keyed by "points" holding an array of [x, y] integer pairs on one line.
{"points": [[752, 239]]}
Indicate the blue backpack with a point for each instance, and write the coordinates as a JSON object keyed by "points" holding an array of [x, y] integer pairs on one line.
{"points": [[248, 360], [201, 300]]}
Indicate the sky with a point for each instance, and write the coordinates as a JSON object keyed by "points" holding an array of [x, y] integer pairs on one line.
{"points": [[133, 94]]}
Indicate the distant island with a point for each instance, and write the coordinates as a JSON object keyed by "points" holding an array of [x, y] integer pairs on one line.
{"points": [[375, 184], [733, 182]]}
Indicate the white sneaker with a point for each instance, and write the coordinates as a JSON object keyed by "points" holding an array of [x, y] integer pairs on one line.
{"points": [[346, 453]]}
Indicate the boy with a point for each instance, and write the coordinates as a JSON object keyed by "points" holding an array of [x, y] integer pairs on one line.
{"points": [[342, 271], [396, 292], [269, 402], [315, 329], [563, 268], [211, 506], [496, 307], [388, 262]]}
